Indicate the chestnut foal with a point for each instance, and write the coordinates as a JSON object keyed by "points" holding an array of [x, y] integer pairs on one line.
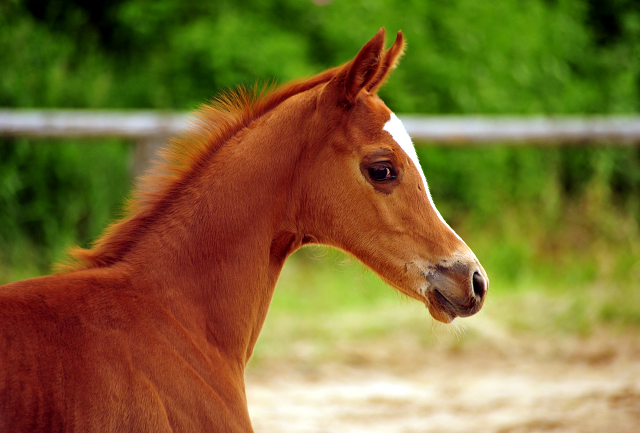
{"points": [[151, 329]]}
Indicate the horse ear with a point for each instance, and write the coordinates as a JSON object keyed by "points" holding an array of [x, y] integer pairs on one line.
{"points": [[389, 62], [358, 73]]}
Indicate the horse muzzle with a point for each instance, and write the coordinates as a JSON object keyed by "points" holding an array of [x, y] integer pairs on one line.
{"points": [[455, 291]]}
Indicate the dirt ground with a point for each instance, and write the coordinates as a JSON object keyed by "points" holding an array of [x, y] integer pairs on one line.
{"points": [[509, 384]]}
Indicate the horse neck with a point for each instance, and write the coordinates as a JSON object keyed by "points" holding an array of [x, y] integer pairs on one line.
{"points": [[216, 252]]}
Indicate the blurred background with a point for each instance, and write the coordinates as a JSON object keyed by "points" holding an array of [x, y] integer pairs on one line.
{"points": [[556, 227]]}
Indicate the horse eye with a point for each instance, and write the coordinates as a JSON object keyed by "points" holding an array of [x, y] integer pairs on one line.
{"points": [[382, 172]]}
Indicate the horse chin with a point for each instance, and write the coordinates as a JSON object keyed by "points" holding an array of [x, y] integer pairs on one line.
{"points": [[439, 308]]}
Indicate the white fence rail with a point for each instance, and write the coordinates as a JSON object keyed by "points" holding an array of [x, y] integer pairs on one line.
{"points": [[151, 129], [88, 123], [443, 129], [552, 130]]}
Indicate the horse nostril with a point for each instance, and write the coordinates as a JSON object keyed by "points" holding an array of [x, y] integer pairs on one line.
{"points": [[479, 284]]}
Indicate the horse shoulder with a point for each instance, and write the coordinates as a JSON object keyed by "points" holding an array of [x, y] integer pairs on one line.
{"points": [[85, 351], [31, 372]]}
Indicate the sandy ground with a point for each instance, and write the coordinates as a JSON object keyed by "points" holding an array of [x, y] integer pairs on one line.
{"points": [[516, 384]]}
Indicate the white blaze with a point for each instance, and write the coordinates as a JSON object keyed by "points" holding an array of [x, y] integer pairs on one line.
{"points": [[397, 130]]}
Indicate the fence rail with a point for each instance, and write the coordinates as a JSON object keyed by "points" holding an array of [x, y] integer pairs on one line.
{"points": [[151, 129], [442, 129], [515, 130], [88, 123]]}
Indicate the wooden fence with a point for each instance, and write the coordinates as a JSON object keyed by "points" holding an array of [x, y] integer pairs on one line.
{"points": [[149, 130]]}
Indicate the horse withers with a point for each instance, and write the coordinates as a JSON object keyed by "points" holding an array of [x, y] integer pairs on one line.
{"points": [[151, 329]]}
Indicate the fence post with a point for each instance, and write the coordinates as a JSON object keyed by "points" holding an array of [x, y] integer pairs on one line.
{"points": [[145, 153]]}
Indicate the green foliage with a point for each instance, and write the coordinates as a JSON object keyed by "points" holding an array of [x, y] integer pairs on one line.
{"points": [[56, 194], [464, 56]]}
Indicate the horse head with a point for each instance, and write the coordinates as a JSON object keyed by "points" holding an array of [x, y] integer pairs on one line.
{"points": [[366, 194]]}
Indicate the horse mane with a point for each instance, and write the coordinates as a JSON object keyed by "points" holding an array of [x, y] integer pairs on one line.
{"points": [[215, 124]]}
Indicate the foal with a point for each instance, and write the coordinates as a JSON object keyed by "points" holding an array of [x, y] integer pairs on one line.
{"points": [[151, 329]]}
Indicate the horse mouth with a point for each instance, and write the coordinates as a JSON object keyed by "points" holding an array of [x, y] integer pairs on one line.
{"points": [[445, 310], [439, 307]]}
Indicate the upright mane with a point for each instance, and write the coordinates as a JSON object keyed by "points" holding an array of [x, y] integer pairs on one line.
{"points": [[215, 124]]}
